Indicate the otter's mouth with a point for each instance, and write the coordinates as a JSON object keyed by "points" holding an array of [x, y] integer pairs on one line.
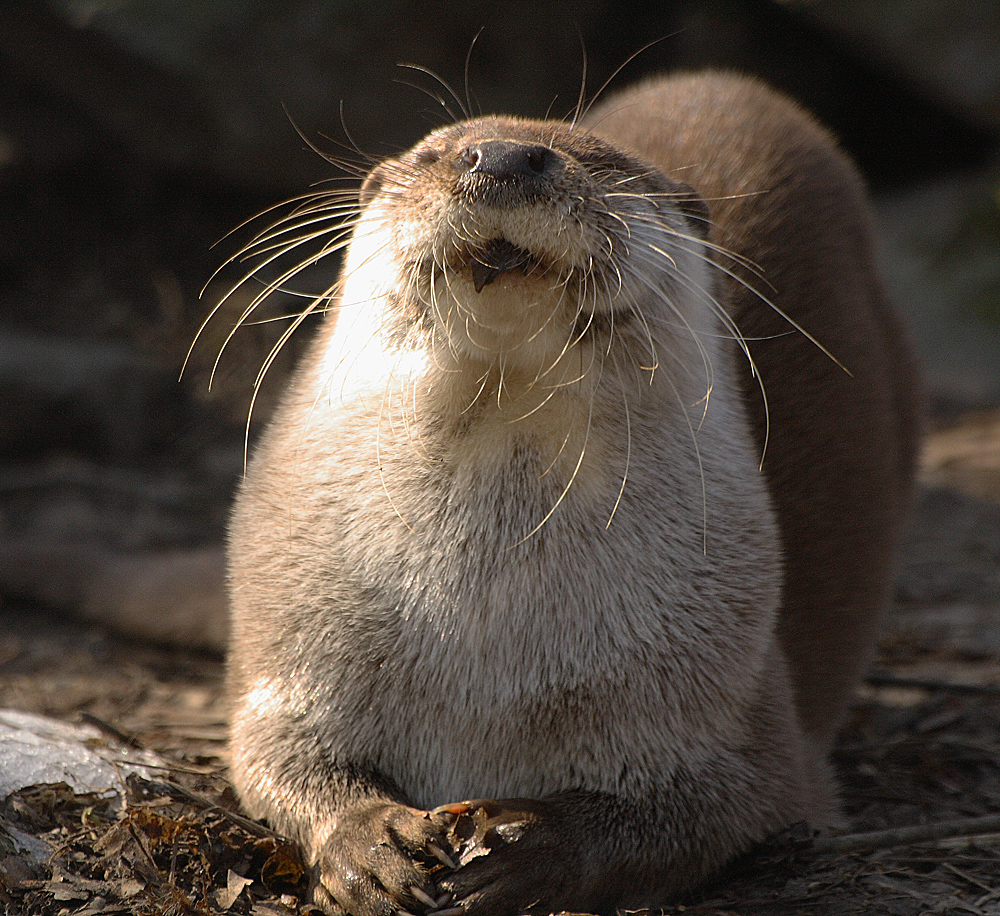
{"points": [[499, 257]]}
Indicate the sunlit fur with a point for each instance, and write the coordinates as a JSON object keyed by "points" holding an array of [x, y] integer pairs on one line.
{"points": [[613, 242], [482, 444], [508, 536]]}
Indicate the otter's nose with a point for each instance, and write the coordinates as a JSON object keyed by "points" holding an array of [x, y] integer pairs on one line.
{"points": [[507, 159]]}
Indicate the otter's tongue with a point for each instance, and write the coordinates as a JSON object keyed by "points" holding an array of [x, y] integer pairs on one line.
{"points": [[496, 258]]}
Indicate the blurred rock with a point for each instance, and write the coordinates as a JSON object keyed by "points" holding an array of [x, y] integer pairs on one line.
{"points": [[224, 83], [950, 49], [941, 255], [36, 749], [58, 391]]}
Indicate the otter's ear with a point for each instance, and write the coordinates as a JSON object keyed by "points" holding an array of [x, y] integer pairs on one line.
{"points": [[372, 184], [693, 206]]}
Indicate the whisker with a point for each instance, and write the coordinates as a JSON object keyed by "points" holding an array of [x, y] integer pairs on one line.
{"points": [[618, 70], [444, 84], [628, 442], [468, 60]]}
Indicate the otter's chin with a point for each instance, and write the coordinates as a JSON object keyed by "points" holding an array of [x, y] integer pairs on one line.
{"points": [[523, 319]]}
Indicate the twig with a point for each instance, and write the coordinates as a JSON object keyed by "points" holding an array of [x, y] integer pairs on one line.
{"points": [[888, 679], [907, 836], [172, 789], [110, 731], [975, 882]]}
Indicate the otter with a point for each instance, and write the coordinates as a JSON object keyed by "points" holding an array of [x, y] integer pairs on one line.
{"points": [[553, 574]]}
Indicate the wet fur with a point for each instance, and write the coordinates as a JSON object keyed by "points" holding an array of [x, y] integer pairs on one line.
{"points": [[514, 543]]}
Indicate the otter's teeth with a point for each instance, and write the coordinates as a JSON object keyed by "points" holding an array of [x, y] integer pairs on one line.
{"points": [[496, 258], [483, 275]]}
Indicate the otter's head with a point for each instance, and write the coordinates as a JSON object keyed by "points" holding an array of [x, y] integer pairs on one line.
{"points": [[527, 242]]}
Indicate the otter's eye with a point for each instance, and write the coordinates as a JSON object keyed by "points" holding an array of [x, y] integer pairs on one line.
{"points": [[426, 155], [538, 157]]}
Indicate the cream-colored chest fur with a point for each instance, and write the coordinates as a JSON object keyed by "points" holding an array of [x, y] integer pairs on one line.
{"points": [[514, 639]]}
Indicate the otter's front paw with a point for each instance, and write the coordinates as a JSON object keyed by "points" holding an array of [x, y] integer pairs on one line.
{"points": [[512, 856], [379, 860]]}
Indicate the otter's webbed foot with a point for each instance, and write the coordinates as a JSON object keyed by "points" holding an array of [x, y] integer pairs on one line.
{"points": [[512, 857], [474, 858], [379, 861]]}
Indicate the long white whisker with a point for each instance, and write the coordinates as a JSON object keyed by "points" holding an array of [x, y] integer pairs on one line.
{"points": [[628, 441]]}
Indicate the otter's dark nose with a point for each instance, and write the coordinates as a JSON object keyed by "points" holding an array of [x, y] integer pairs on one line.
{"points": [[505, 173], [507, 159]]}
